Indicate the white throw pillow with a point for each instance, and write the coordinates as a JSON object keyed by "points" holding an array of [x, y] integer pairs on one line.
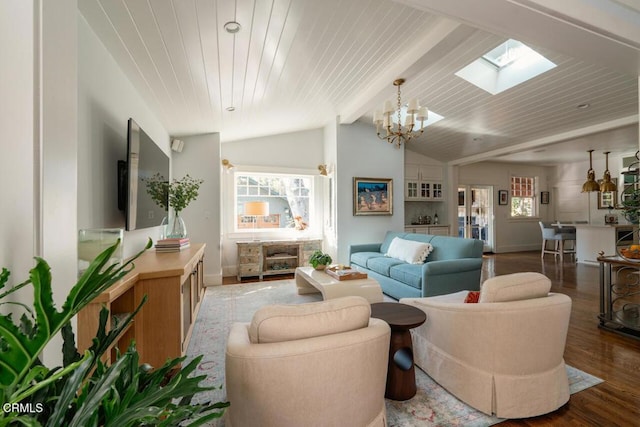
{"points": [[409, 251]]}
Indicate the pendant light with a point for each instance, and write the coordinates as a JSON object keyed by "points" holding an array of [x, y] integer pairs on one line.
{"points": [[607, 185], [590, 184]]}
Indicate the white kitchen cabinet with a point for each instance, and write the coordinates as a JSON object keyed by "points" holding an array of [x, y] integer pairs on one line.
{"points": [[423, 183]]}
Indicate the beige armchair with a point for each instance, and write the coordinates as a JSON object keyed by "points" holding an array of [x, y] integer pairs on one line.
{"points": [[312, 364], [502, 355]]}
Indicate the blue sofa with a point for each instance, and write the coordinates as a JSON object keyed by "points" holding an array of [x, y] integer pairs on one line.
{"points": [[454, 265]]}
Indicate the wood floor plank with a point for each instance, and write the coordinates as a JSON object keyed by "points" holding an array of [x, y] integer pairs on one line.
{"points": [[612, 357]]}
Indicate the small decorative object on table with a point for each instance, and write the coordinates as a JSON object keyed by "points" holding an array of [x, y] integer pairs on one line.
{"points": [[172, 245], [180, 193], [345, 272], [92, 242], [319, 260]]}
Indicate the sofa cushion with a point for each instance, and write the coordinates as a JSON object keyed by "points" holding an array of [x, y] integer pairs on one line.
{"points": [[409, 251], [514, 287], [445, 247], [279, 323], [361, 258], [382, 265], [409, 274]]}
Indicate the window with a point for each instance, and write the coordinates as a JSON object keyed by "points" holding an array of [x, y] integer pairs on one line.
{"points": [[523, 191], [287, 199]]}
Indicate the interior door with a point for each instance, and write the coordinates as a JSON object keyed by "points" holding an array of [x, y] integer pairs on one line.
{"points": [[475, 214]]}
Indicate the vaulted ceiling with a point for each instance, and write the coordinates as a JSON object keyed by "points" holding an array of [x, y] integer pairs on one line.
{"points": [[297, 64]]}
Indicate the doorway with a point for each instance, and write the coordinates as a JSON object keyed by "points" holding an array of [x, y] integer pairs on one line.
{"points": [[475, 214]]}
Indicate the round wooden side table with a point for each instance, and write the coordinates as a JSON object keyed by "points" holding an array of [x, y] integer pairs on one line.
{"points": [[401, 375]]}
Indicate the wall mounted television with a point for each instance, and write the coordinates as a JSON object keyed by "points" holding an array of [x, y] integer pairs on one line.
{"points": [[144, 160]]}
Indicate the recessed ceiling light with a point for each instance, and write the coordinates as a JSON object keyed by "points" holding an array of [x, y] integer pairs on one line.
{"points": [[230, 108], [583, 106], [232, 27]]}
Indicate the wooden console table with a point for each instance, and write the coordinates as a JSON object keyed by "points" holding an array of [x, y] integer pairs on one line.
{"points": [[268, 257], [620, 296], [174, 285]]}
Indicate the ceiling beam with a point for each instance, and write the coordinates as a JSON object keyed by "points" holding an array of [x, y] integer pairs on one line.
{"points": [[529, 145]]}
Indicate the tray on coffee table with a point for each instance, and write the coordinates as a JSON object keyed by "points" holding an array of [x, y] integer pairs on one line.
{"points": [[345, 273]]}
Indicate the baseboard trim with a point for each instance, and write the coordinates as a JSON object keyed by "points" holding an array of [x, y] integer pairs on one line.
{"points": [[212, 279], [517, 248]]}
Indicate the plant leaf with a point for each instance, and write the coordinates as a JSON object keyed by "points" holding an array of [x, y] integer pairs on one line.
{"points": [[68, 393], [19, 351]]}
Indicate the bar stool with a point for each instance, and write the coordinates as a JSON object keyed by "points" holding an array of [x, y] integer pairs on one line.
{"points": [[557, 235]]}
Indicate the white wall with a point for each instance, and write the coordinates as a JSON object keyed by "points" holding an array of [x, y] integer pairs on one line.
{"points": [[106, 100], [298, 152], [39, 113], [512, 234], [200, 158], [19, 143], [330, 244], [361, 154]]}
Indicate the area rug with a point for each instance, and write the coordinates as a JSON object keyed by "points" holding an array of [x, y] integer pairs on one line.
{"points": [[223, 305]]}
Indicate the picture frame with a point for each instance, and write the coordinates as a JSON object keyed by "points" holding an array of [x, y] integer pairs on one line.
{"points": [[608, 199], [544, 198], [372, 196], [503, 197]]}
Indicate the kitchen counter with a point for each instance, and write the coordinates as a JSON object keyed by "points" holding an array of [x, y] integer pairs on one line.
{"points": [[592, 239]]}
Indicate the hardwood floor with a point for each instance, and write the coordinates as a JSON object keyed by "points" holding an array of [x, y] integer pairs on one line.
{"points": [[612, 357]]}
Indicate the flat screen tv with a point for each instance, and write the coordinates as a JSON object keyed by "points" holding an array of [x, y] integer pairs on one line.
{"points": [[144, 160]]}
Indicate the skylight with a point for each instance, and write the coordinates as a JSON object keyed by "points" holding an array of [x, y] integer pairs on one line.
{"points": [[505, 66], [507, 53]]}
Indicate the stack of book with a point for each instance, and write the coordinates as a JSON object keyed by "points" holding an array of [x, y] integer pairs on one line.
{"points": [[172, 245]]}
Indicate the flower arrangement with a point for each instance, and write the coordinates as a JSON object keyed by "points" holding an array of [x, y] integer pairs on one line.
{"points": [[178, 194]]}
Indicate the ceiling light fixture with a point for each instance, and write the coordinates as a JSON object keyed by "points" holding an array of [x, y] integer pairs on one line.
{"points": [[232, 27], [398, 134], [607, 185], [590, 184]]}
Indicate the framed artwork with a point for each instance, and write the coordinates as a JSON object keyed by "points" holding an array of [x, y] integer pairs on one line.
{"points": [[503, 197], [608, 199], [544, 197], [372, 196]]}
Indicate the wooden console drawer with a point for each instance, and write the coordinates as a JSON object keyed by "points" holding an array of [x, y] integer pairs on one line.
{"points": [[249, 269], [249, 259], [250, 250]]}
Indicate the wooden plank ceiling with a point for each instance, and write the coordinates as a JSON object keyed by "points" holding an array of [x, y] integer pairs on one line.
{"points": [[297, 64]]}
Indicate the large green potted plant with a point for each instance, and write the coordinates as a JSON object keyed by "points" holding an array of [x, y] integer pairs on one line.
{"points": [[84, 391], [178, 194]]}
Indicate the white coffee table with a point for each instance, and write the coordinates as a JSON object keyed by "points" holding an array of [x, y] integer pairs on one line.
{"points": [[309, 280]]}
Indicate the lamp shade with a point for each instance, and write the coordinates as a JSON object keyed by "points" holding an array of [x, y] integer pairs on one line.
{"points": [[256, 208]]}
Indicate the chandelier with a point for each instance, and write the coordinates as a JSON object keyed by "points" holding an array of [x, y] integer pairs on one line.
{"points": [[397, 133]]}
